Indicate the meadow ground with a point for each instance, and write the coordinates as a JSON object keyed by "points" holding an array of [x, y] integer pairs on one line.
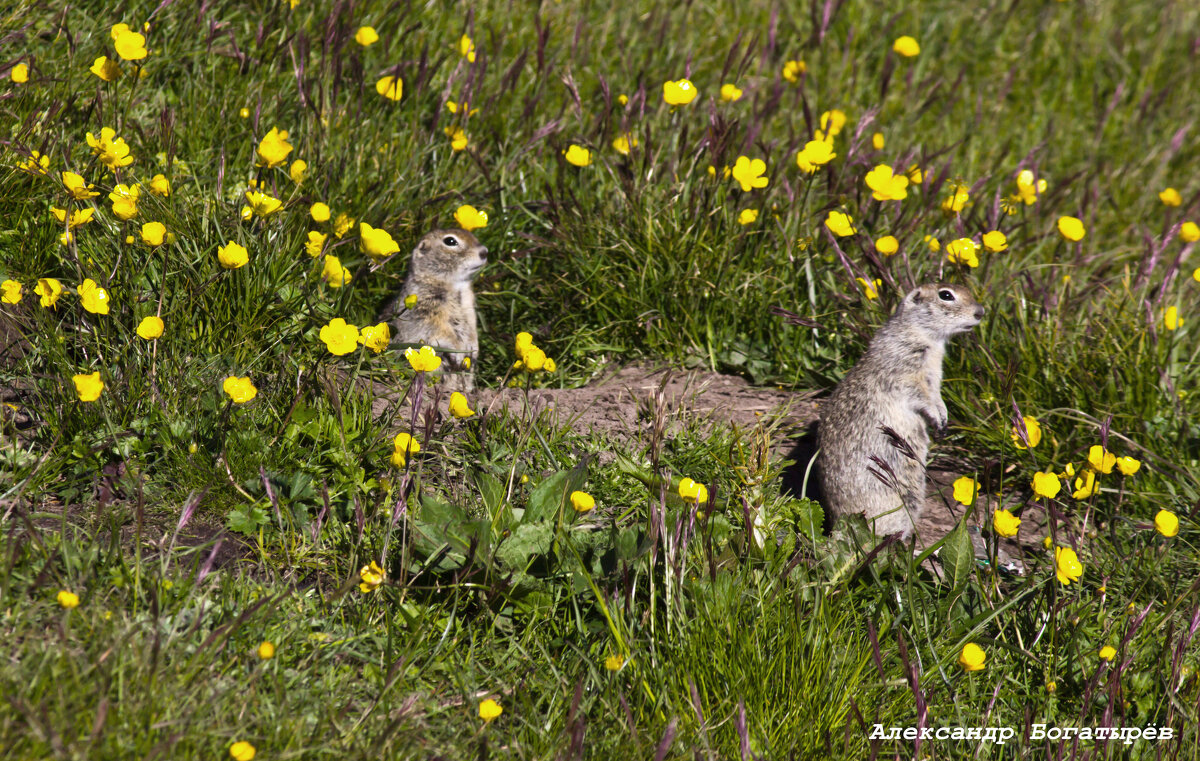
{"points": [[219, 538]]}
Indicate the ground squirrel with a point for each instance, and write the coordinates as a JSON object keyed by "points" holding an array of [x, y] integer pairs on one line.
{"points": [[872, 435], [443, 315]]}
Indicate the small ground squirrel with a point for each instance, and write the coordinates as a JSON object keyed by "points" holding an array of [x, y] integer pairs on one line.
{"points": [[891, 392], [443, 265]]}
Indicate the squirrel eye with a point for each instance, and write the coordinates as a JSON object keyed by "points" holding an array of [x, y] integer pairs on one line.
{"points": [[450, 240], [946, 294]]}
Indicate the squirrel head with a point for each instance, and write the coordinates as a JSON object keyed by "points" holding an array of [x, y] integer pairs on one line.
{"points": [[940, 309], [453, 255]]}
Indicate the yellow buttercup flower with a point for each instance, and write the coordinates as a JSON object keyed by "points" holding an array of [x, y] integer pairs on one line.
{"points": [[887, 245], [877, 142], [242, 751], [1166, 523], [402, 446], [35, 164], [886, 185], [112, 151], [342, 224], [1128, 465], [995, 241], [1085, 485], [93, 297], [694, 492], [906, 46], [459, 407], [840, 224], [366, 36], [972, 657], [614, 662], [339, 336], [319, 212], [870, 289], [933, 243], [1046, 484], [19, 74], [832, 122], [1005, 523], [577, 155], [375, 337], [680, 92], [78, 217], [154, 233], [88, 387], [793, 70], [1066, 565], [622, 143], [1071, 228], [266, 651], [458, 138], [125, 200], [232, 255], [469, 218], [334, 273], [747, 216], [730, 93], [1028, 189], [1170, 197], [424, 360], [1189, 232], [298, 170], [963, 251], [49, 290], [262, 204], [371, 576], [106, 69], [150, 327], [129, 44], [814, 154], [466, 48], [315, 243], [1171, 319], [915, 175], [376, 242], [12, 291], [965, 489], [957, 200], [1107, 653], [750, 173], [240, 390], [1033, 431], [67, 599], [390, 87], [490, 710], [582, 501], [76, 186], [1101, 459], [273, 149], [160, 185]]}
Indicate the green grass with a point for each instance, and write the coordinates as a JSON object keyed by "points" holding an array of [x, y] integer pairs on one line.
{"points": [[775, 642]]}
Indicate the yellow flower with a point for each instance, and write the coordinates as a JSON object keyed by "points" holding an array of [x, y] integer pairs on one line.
{"points": [[469, 218], [887, 245], [622, 143], [578, 155], [376, 242], [242, 751], [67, 599], [490, 710], [150, 327], [693, 492], [160, 185], [262, 204], [965, 489], [832, 122], [93, 297], [244, 113], [366, 36], [877, 142], [424, 361], [1005, 523], [35, 164], [112, 150], [342, 224], [410, 301], [78, 189], [232, 255], [466, 48], [319, 212], [88, 387], [372, 576], [375, 337], [906, 46], [614, 662], [886, 185], [995, 241], [1067, 566], [316, 241], [458, 138], [1128, 465], [49, 289], [523, 342], [1085, 485], [339, 336], [129, 44], [240, 390], [19, 73], [814, 154], [1171, 319], [80, 217], [730, 93], [1033, 431], [915, 175], [793, 70], [1046, 484], [840, 224], [1107, 653], [963, 251], [402, 446], [680, 92], [725, 172], [623, 99], [459, 406], [1028, 190], [870, 289], [582, 501], [107, 70], [298, 170], [266, 651], [1170, 197], [1071, 228], [12, 292], [1189, 232], [747, 216], [750, 174], [933, 243], [1101, 459], [390, 87], [273, 149], [972, 657], [153, 233], [534, 359], [1166, 523], [957, 200], [334, 273], [125, 200]]}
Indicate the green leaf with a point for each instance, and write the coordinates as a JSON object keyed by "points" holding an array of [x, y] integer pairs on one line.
{"points": [[528, 541], [491, 489], [957, 555], [550, 495], [246, 520]]}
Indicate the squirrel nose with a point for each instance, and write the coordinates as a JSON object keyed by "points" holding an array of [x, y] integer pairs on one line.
{"points": [[979, 312], [483, 252]]}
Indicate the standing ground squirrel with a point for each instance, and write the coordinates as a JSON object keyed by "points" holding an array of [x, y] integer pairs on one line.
{"points": [[443, 315], [890, 393]]}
